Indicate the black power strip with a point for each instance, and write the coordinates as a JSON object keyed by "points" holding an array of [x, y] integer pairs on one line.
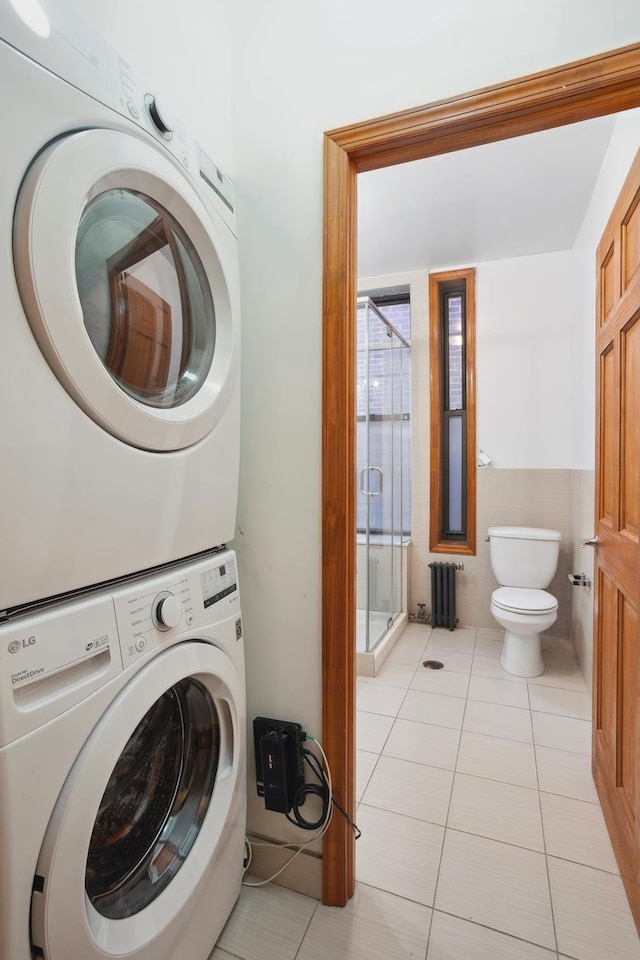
{"points": [[279, 762]]}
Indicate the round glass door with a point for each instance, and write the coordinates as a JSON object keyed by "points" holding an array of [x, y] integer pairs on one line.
{"points": [[154, 797], [146, 303], [155, 802], [130, 286]]}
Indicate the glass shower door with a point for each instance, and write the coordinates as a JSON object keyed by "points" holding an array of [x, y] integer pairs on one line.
{"points": [[383, 366]]}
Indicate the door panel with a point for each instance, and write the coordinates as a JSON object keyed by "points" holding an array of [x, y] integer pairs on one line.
{"points": [[627, 753], [631, 241], [630, 492], [616, 737], [143, 363], [608, 294], [607, 657], [608, 437]]}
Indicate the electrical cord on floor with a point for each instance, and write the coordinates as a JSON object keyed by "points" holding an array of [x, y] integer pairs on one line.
{"points": [[324, 790]]}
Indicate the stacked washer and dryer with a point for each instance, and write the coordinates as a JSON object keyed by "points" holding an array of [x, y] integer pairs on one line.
{"points": [[122, 687]]}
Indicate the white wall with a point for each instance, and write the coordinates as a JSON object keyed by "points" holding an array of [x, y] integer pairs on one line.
{"points": [[525, 362], [525, 357], [302, 69]]}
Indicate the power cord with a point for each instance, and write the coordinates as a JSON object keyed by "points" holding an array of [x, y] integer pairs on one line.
{"points": [[321, 789], [324, 790]]}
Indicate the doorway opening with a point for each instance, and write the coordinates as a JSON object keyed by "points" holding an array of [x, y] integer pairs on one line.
{"points": [[593, 87]]}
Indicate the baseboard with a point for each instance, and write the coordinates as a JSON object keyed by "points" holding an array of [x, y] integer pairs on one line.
{"points": [[304, 874]]}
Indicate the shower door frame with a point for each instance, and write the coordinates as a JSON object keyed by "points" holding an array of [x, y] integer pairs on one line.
{"points": [[595, 86], [396, 505]]}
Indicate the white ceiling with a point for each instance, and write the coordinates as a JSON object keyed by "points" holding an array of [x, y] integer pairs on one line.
{"points": [[522, 196]]}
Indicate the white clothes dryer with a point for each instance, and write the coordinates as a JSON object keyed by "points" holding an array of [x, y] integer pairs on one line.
{"points": [[119, 341], [122, 770]]}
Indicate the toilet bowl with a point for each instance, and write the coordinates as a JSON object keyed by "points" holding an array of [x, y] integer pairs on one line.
{"points": [[523, 560], [524, 613]]}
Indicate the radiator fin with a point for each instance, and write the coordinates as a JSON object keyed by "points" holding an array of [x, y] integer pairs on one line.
{"points": [[443, 594]]}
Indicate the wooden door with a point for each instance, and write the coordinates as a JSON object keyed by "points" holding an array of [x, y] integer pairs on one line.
{"points": [[140, 351], [616, 715]]}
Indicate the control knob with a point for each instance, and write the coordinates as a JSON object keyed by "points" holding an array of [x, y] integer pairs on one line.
{"points": [[165, 611], [161, 117]]}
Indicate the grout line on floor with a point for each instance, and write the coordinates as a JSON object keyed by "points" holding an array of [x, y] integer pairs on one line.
{"points": [[364, 789], [306, 930], [417, 763], [383, 746], [505, 843], [444, 835], [563, 716], [432, 910], [507, 783], [580, 863], [567, 796], [361, 883], [404, 816], [485, 926], [544, 846]]}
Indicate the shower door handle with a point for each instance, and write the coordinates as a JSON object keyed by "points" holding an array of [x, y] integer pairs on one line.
{"points": [[371, 493]]}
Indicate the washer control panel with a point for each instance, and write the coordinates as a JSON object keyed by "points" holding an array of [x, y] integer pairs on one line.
{"points": [[218, 582], [52, 659], [148, 615], [155, 610]]}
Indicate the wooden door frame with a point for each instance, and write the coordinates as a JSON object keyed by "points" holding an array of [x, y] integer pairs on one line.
{"points": [[596, 86]]}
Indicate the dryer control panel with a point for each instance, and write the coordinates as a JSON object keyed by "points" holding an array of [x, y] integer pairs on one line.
{"points": [[61, 41]]}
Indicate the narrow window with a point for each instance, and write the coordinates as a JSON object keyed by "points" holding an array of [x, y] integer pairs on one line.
{"points": [[453, 412]]}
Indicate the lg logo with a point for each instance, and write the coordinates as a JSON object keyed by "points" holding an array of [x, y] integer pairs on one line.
{"points": [[17, 645]]}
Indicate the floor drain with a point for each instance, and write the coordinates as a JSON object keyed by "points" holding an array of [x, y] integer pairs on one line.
{"points": [[433, 664]]}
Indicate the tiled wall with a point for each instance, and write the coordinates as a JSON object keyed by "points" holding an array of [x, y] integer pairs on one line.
{"points": [[536, 498]]}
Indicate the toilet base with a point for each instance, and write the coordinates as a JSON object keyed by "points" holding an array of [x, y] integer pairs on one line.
{"points": [[521, 655]]}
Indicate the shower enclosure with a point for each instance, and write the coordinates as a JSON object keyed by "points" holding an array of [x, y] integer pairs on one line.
{"points": [[383, 468]]}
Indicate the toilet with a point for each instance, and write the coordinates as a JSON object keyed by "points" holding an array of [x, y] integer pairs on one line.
{"points": [[523, 560]]}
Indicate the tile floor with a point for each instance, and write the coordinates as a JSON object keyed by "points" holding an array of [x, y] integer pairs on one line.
{"points": [[482, 835]]}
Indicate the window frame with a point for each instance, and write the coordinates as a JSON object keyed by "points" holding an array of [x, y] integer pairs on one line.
{"points": [[440, 285]]}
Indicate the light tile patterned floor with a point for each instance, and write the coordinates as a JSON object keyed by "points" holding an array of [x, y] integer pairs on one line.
{"points": [[482, 835]]}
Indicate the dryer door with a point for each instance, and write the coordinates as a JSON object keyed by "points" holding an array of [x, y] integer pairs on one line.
{"points": [[129, 284], [155, 795]]}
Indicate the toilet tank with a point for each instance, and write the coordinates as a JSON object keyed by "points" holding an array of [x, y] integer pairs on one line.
{"points": [[524, 556]]}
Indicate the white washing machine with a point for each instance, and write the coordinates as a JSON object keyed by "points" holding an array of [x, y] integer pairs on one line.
{"points": [[119, 341], [122, 770]]}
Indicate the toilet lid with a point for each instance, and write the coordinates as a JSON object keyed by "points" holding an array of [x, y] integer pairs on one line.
{"points": [[524, 600]]}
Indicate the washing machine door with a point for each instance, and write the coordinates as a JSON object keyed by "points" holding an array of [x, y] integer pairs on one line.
{"points": [[150, 800], [129, 284]]}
